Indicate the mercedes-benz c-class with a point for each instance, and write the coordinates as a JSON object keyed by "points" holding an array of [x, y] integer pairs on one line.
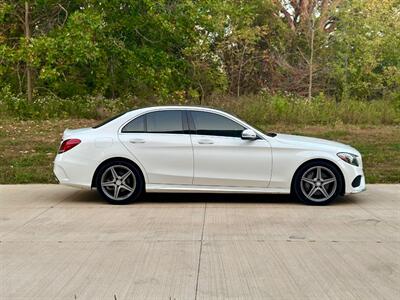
{"points": [[197, 149]]}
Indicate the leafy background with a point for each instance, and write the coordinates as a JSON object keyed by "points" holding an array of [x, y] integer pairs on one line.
{"points": [[181, 50]]}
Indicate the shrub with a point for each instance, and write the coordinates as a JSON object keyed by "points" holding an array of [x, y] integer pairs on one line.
{"points": [[258, 110], [49, 107]]}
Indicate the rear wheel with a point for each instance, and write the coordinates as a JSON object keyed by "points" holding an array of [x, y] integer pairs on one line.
{"points": [[317, 183], [119, 182]]}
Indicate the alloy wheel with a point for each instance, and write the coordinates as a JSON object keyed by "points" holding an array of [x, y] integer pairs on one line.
{"points": [[318, 184], [118, 182]]}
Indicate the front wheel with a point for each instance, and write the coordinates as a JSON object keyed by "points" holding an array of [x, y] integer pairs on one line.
{"points": [[119, 182], [317, 183]]}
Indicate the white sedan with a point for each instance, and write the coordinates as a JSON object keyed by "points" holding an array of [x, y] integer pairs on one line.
{"points": [[197, 149]]}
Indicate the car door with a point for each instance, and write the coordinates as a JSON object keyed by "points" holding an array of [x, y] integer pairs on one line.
{"points": [[223, 158], [159, 141]]}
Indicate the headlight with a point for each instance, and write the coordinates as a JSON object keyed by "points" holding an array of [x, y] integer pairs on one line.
{"points": [[349, 158]]}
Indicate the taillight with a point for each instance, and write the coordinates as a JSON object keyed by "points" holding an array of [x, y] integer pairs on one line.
{"points": [[68, 145]]}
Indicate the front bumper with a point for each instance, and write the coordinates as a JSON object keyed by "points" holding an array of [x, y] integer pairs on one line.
{"points": [[350, 173], [360, 188]]}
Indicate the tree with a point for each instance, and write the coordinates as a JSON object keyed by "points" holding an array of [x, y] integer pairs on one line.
{"points": [[364, 53], [189, 50], [28, 20], [310, 23], [300, 13], [249, 37]]}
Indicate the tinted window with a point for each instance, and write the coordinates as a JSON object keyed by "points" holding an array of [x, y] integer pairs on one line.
{"points": [[213, 124], [168, 121], [136, 125]]}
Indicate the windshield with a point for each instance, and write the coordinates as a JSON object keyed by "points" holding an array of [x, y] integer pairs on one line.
{"points": [[108, 120]]}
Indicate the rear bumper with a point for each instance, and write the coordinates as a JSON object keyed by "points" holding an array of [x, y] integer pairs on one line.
{"points": [[65, 170]]}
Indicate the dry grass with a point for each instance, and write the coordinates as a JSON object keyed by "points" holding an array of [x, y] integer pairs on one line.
{"points": [[28, 147]]}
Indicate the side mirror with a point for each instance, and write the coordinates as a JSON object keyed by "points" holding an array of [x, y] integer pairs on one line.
{"points": [[249, 134]]}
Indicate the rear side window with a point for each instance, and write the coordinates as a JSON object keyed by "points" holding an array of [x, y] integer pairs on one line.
{"points": [[168, 121], [136, 125], [213, 124]]}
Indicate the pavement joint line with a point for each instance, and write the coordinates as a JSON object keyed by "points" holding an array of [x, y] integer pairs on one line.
{"points": [[191, 241], [39, 214], [200, 252]]}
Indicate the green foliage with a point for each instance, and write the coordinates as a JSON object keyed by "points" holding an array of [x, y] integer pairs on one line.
{"points": [[62, 56], [364, 56], [49, 107], [189, 50]]}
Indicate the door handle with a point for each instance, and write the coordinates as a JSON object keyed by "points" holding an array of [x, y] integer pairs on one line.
{"points": [[205, 142], [137, 141]]}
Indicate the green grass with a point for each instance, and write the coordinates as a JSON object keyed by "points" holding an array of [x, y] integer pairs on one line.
{"points": [[28, 148]]}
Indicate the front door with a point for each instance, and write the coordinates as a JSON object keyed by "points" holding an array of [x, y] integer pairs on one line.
{"points": [[223, 158]]}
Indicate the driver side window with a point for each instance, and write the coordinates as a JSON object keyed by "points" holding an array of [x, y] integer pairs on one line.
{"points": [[207, 123]]}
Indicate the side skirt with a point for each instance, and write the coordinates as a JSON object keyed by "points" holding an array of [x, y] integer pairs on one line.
{"points": [[172, 188]]}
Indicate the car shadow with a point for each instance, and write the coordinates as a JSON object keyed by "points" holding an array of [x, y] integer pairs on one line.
{"points": [[165, 198], [217, 198]]}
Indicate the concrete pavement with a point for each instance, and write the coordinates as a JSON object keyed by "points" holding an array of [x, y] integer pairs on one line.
{"points": [[62, 243]]}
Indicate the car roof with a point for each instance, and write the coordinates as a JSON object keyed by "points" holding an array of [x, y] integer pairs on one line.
{"points": [[177, 107], [173, 107]]}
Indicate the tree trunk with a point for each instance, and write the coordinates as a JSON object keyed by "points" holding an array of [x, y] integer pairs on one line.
{"points": [[240, 72], [310, 81], [28, 68]]}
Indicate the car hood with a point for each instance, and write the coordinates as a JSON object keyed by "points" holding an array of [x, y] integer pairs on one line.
{"points": [[313, 143]]}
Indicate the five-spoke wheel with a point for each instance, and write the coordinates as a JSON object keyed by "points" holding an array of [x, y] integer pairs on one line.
{"points": [[317, 182], [119, 182]]}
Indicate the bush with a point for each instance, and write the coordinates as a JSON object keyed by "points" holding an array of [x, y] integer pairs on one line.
{"points": [[49, 107], [258, 110]]}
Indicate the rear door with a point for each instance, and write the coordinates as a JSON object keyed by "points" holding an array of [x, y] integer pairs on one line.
{"points": [[223, 158], [160, 141]]}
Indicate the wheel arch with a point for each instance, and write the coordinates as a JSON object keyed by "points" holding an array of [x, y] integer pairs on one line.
{"points": [[333, 164], [95, 174]]}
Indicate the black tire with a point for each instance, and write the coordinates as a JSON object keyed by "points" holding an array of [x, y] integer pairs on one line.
{"points": [[310, 189], [107, 184]]}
